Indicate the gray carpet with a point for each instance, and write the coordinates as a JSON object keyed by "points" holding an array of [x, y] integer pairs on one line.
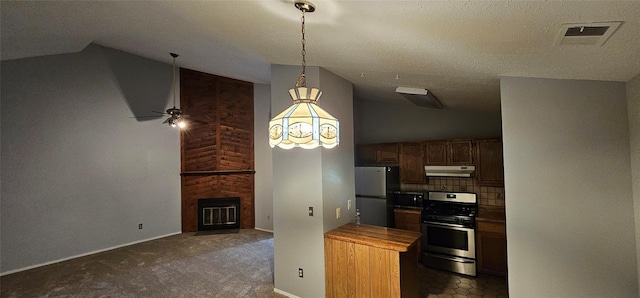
{"points": [[217, 265]]}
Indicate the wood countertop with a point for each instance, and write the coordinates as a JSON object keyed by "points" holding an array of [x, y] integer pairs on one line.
{"points": [[375, 236]]}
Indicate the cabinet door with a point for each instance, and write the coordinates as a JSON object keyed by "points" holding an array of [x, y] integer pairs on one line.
{"points": [[461, 152], [411, 163], [435, 153], [366, 154], [407, 219], [490, 165], [387, 153], [492, 253]]}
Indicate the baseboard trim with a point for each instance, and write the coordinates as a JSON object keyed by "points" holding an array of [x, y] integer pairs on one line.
{"points": [[86, 254], [264, 230], [281, 292]]}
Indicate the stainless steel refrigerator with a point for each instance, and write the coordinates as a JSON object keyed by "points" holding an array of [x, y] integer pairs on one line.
{"points": [[374, 187]]}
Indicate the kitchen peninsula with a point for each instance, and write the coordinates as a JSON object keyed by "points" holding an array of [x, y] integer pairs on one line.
{"points": [[371, 261]]}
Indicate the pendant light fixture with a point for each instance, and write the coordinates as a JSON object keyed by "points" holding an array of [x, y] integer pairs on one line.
{"points": [[304, 124]]}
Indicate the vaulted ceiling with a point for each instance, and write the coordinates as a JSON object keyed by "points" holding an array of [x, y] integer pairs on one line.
{"points": [[456, 49]]}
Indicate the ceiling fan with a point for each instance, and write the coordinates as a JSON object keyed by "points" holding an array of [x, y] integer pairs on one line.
{"points": [[176, 117]]}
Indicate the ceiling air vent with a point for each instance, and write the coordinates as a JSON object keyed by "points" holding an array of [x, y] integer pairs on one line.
{"points": [[590, 34], [420, 96]]}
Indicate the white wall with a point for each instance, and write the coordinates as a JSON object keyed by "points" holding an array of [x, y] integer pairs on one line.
{"points": [[78, 173], [301, 179], [377, 122], [262, 150], [570, 221], [633, 106]]}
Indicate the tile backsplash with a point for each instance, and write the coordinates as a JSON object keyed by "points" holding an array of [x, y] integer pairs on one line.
{"points": [[487, 195]]}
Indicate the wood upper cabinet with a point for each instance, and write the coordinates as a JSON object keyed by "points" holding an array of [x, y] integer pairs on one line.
{"points": [[492, 248], [452, 152], [489, 162], [387, 153], [411, 163], [460, 152], [377, 153], [435, 153], [366, 154]]}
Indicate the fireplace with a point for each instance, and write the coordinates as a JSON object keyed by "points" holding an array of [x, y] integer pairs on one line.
{"points": [[218, 214]]}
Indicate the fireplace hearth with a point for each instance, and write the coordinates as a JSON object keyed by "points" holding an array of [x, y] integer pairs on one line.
{"points": [[218, 214]]}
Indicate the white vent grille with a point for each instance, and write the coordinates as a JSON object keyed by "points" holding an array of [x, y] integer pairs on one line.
{"points": [[592, 34], [420, 96]]}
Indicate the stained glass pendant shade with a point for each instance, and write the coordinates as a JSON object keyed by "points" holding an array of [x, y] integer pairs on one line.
{"points": [[304, 124]]}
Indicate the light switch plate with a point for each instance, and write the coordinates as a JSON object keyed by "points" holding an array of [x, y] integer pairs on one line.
{"points": [[348, 204], [338, 213], [310, 211]]}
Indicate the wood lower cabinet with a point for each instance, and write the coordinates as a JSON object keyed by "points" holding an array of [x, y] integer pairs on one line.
{"points": [[408, 219], [411, 163], [490, 164], [491, 247], [371, 261]]}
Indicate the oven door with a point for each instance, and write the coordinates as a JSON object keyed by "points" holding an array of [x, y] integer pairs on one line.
{"points": [[449, 239]]}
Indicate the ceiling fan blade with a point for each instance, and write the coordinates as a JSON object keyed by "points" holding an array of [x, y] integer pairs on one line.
{"points": [[166, 121], [158, 112], [141, 117]]}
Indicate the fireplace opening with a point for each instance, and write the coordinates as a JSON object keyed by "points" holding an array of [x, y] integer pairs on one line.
{"points": [[219, 214]]}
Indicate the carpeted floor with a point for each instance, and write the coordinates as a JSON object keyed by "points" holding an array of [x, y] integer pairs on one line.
{"points": [[217, 265]]}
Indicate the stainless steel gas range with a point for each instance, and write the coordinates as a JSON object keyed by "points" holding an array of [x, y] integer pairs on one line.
{"points": [[448, 232]]}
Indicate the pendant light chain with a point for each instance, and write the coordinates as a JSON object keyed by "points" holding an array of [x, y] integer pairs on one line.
{"points": [[302, 80]]}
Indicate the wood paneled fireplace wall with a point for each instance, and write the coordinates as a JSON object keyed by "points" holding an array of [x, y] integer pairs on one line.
{"points": [[217, 155]]}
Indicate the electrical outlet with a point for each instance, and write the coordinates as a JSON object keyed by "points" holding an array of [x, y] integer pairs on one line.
{"points": [[348, 204], [498, 195], [338, 213], [443, 187], [140, 227], [310, 211], [300, 272]]}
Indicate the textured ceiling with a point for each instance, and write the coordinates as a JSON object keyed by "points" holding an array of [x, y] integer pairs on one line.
{"points": [[458, 50]]}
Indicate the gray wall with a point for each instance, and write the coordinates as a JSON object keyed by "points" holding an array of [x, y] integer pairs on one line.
{"points": [[377, 122], [338, 172], [301, 179], [263, 166], [570, 221], [633, 105], [78, 174]]}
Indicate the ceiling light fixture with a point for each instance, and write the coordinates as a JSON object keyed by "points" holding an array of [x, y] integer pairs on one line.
{"points": [[176, 118], [304, 124]]}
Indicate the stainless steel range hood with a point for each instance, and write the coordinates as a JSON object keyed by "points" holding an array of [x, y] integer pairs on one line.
{"points": [[449, 171]]}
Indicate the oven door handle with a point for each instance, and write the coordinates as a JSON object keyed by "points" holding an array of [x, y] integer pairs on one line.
{"points": [[433, 223], [454, 259]]}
